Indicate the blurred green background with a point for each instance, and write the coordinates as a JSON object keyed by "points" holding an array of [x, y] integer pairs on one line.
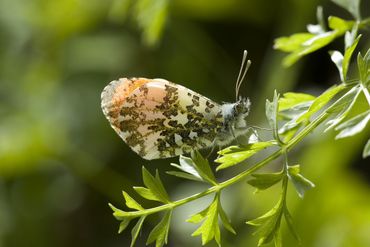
{"points": [[61, 163]]}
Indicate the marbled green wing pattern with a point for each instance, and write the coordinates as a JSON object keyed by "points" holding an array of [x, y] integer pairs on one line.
{"points": [[160, 119]]}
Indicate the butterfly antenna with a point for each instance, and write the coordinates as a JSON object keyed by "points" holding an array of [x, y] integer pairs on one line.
{"points": [[242, 72]]}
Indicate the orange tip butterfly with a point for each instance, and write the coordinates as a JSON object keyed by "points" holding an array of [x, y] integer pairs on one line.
{"points": [[160, 119]]}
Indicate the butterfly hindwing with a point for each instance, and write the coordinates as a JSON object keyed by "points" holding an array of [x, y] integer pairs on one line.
{"points": [[160, 119]]}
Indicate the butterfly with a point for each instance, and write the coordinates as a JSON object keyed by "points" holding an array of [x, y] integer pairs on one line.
{"points": [[160, 119]]}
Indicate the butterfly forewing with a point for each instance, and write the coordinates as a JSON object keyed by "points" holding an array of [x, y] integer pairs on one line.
{"points": [[160, 119]]}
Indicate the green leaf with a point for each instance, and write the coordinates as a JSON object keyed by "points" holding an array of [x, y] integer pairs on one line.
{"points": [[340, 25], [136, 230], [289, 221], [363, 64], [343, 105], [209, 228], [147, 193], [269, 224], [347, 58], [124, 223], [320, 102], [154, 184], [293, 42], [290, 100], [198, 217], [289, 129], [189, 168], [235, 154], [131, 203], [311, 45], [265, 217], [337, 59], [183, 175], [352, 6], [366, 152], [118, 213], [202, 167], [224, 219], [303, 44], [272, 113], [300, 183], [353, 126], [159, 234], [272, 110], [265, 180]]}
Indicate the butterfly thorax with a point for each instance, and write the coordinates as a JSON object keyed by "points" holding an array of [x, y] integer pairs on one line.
{"points": [[235, 123]]}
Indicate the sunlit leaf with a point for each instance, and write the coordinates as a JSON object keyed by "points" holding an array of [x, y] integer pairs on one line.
{"points": [[268, 224], [154, 184], [313, 43], [289, 129], [183, 175], [363, 65], [263, 181], [291, 43], [124, 223], [320, 102], [347, 57], [366, 152], [209, 228], [136, 230], [189, 168], [289, 221], [272, 113], [337, 59], [118, 213], [202, 167], [343, 105], [225, 219], [159, 234], [310, 46], [353, 126], [130, 202], [339, 24], [147, 193], [290, 100], [300, 183], [235, 154]]}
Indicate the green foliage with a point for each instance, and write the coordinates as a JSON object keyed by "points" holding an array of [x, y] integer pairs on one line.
{"points": [[301, 44], [195, 168], [291, 117], [366, 152], [234, 155], [353, 126], [159, 234], [264, 181], [320, 102], [210, 216], [300, 183]]}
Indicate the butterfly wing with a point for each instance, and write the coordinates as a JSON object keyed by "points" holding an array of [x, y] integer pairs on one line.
{"points": [[160, 119]]}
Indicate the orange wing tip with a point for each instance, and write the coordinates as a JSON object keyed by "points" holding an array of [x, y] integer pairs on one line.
{"points": [[116, 92]]}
